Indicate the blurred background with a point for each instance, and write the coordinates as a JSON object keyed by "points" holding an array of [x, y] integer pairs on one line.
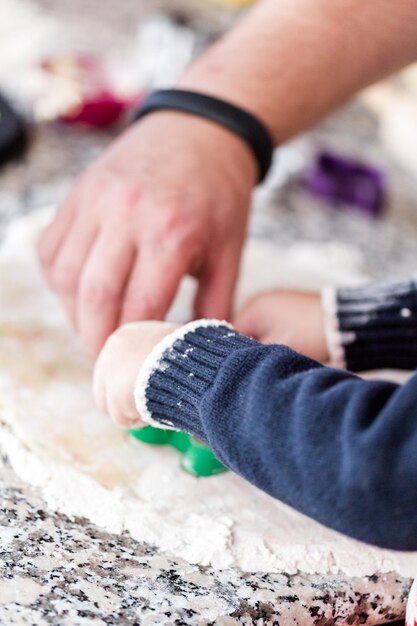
{"points": [[73, 70]]}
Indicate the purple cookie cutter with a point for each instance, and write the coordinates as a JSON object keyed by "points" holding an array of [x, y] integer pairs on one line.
{"points": [[344, 180]]}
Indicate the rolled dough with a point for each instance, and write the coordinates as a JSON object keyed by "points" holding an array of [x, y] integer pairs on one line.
{"points": [[86, 466]]}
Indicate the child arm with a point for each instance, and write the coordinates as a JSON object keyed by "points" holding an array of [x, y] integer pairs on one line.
{"points": [[331, 445], [356, 328]]}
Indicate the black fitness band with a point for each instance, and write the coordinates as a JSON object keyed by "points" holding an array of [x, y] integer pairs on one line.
{"points": [[240, 122]]}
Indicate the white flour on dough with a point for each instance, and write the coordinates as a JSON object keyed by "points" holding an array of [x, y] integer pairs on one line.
{"points": [[87, 466]]}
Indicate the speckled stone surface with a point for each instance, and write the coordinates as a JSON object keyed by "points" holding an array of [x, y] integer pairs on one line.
{"points": [[54, 570], [58, 571]]}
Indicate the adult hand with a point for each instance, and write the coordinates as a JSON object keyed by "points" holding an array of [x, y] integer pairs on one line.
{"points": [[169, 198]]}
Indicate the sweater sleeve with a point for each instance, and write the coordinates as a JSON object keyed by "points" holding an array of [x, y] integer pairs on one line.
{"points": [[372, 327], [339, 449]]}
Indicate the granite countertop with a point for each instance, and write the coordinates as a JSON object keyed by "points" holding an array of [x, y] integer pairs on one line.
{"points": [[54, 570], [61, 571]]}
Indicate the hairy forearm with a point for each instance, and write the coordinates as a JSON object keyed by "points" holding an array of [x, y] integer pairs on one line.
{"points": [[292, 61]]}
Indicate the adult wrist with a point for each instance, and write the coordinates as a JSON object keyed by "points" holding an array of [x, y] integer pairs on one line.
{"points": [[235, 119], [211, 77]]}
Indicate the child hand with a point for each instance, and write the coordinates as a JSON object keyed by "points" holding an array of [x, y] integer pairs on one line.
{"points": [[295, 319], [118, 366]]}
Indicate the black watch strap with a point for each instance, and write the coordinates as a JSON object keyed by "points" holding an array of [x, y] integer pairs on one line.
{"points": [[235, 119]]}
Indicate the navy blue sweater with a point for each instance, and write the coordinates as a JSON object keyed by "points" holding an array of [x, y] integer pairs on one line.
{"points": [[339, 449]]}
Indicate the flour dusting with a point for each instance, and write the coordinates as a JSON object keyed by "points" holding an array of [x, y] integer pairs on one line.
{"points": [[85, 465]]}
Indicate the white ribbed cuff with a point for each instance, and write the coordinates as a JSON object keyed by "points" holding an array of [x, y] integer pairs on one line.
{"points": [[153, 362], [331, 328]]}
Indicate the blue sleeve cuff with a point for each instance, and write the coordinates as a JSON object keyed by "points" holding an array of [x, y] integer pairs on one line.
{"points": [[172, 382], [375, 327]]}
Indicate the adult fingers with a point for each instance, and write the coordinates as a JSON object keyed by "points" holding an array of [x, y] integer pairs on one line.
{"points": [[65, 273], [214, 296], [153, 284], [54, 234], [101, 288]]}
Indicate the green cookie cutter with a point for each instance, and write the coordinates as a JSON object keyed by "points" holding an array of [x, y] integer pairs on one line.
{"points": [[197, 459]]}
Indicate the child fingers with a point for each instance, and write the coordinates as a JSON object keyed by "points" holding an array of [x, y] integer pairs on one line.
{"points": [[246, 321], [110, 391]]}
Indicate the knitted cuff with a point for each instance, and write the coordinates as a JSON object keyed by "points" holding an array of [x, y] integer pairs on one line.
{"points": [[335, 344], [372, 327], [180, 369]]}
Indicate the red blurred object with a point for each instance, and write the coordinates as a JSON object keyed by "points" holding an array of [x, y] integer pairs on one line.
{"points": [[103, 110], [82, 90]]}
